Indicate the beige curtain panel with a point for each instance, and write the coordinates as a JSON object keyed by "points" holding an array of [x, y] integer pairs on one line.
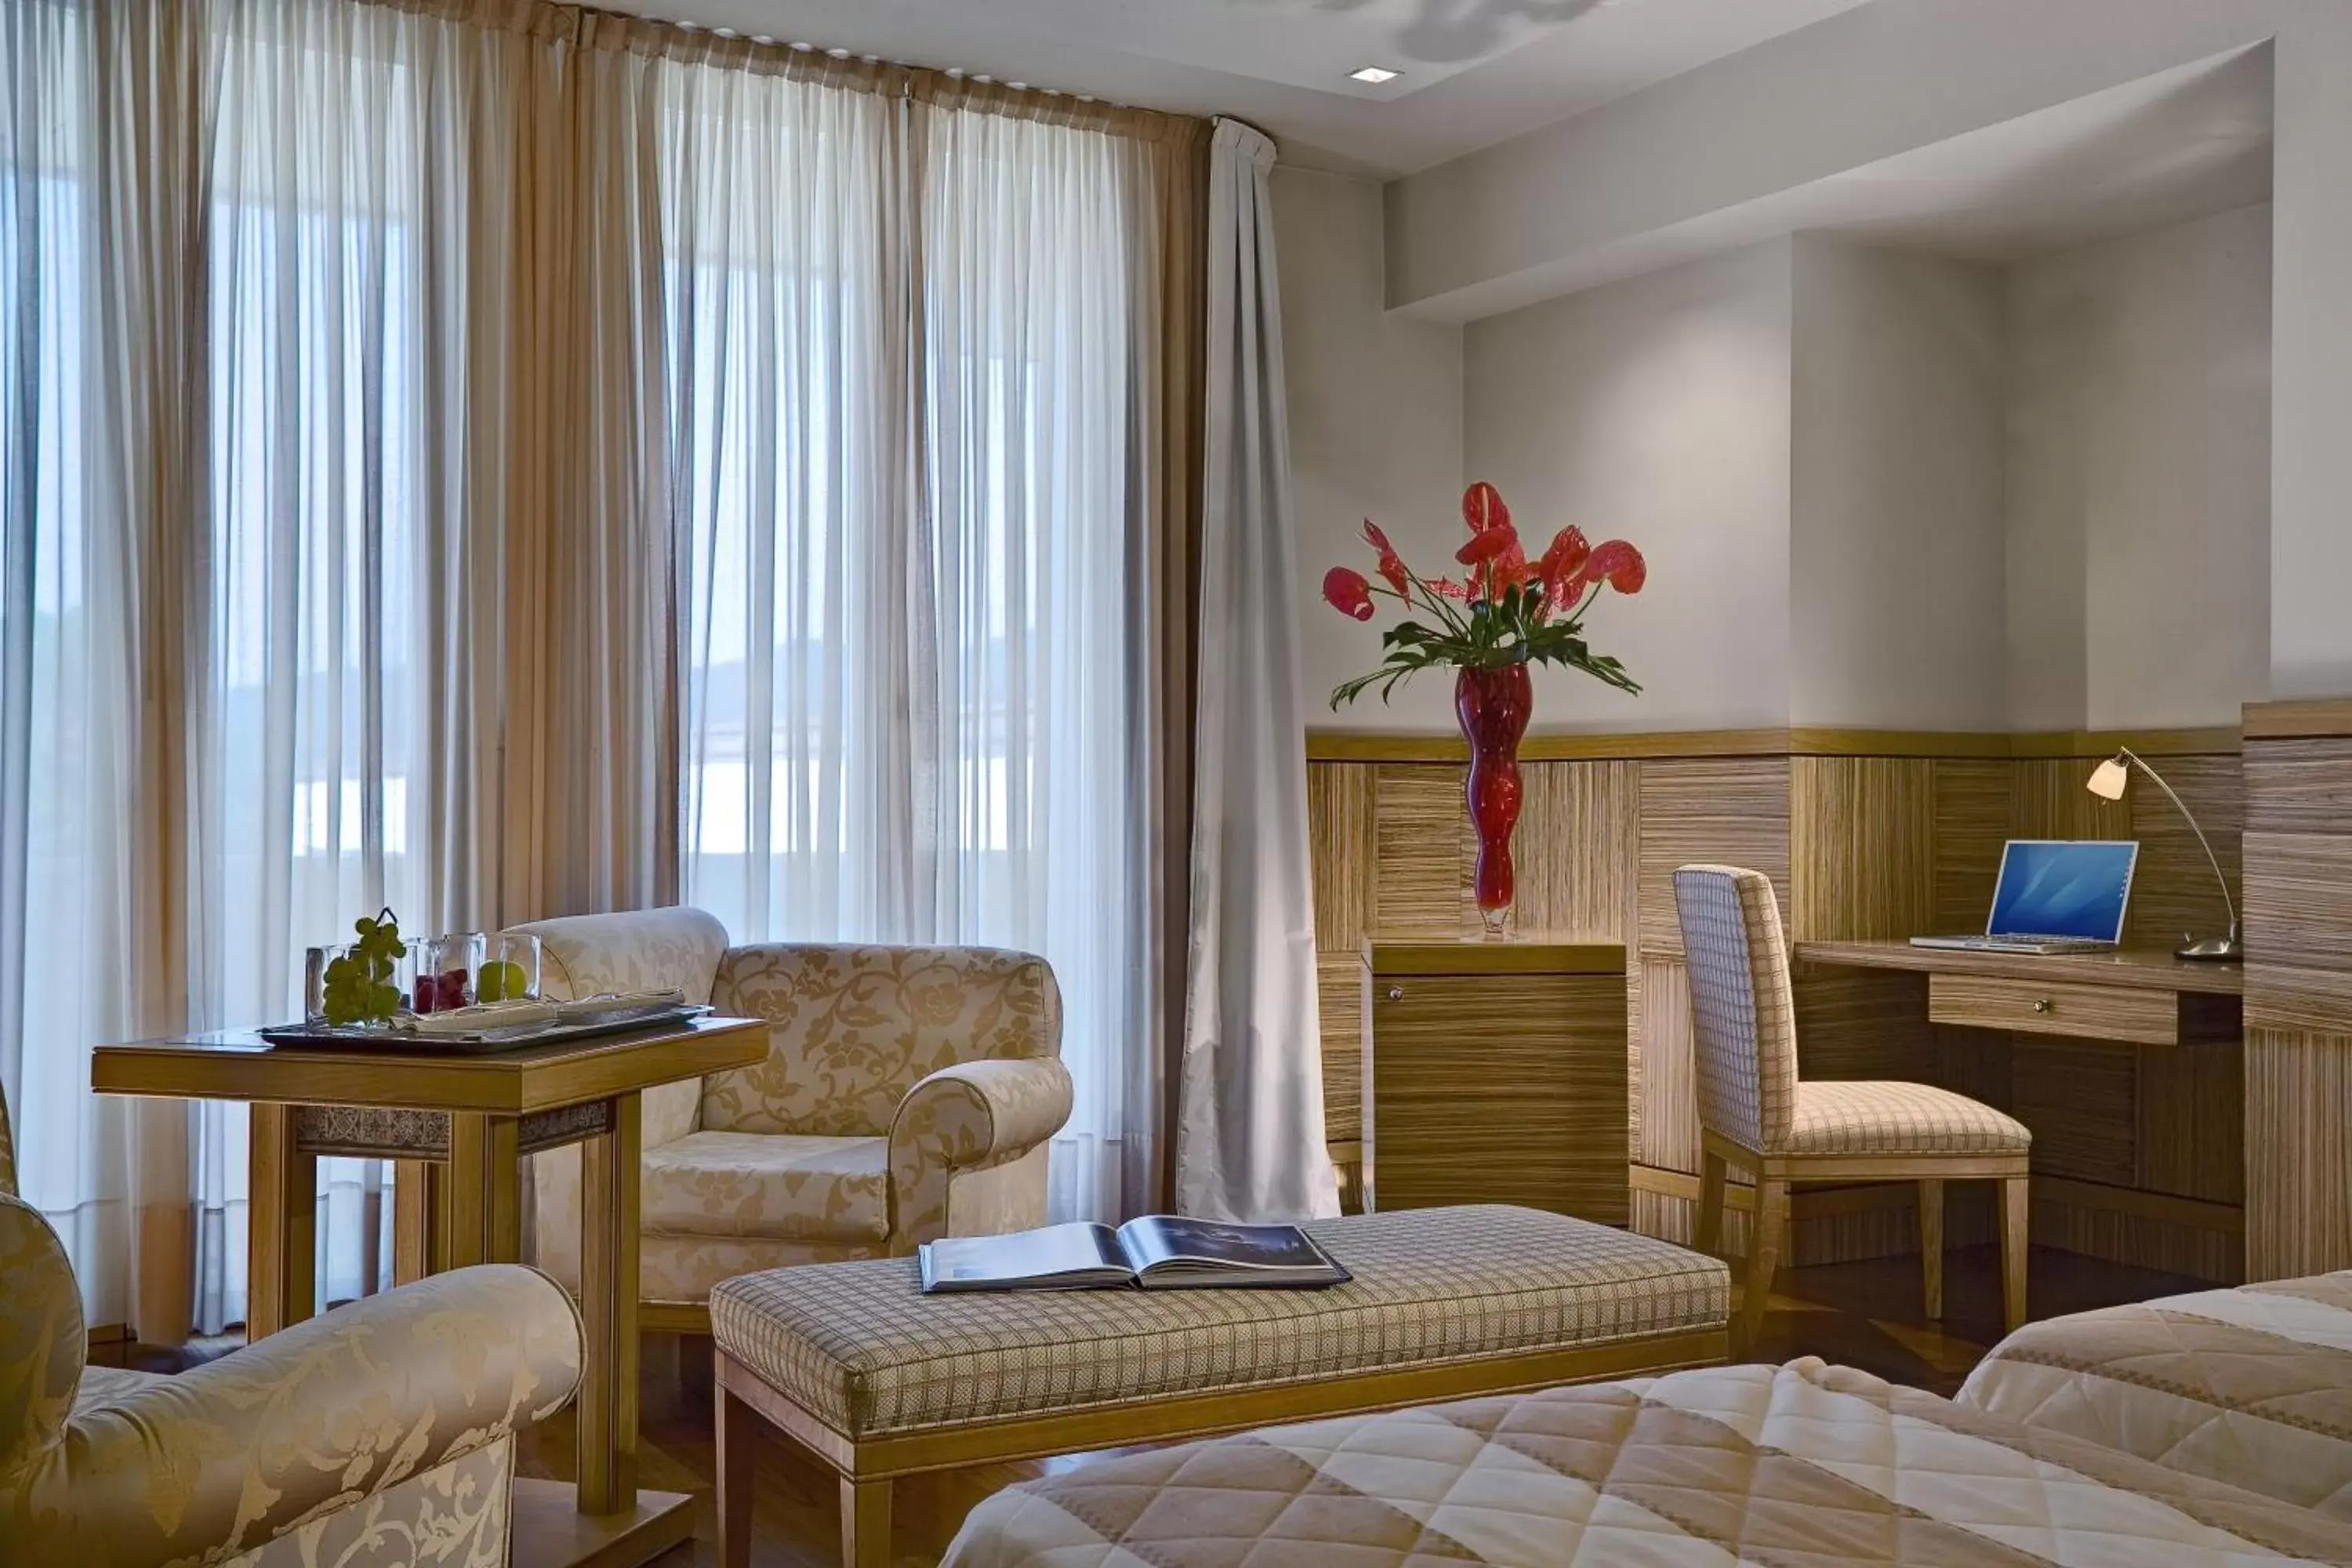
{"points": [[349, 479]]}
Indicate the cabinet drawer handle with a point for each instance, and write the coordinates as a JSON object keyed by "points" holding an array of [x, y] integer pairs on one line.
{"points": [[1396, 993], [2041, 1004]]}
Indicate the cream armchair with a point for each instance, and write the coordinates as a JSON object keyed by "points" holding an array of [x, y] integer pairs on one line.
{"points": [[381, 1434], [909, 1093]]}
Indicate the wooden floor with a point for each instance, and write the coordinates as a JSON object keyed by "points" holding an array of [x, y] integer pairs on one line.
{"points": [[1867, 1315]]}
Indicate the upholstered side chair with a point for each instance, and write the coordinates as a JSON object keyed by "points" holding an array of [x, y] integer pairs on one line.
{"points": [[381, 1432], [1756, 1113], [909, 1093]]}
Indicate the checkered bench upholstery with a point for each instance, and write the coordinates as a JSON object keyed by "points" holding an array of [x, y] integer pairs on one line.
{"points": [[860, 1347]]}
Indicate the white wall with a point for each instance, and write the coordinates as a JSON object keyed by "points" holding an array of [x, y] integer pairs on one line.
{"points": [[1503, 225], [1375, 403], [2140, 479], [1896, 558], [1656, 410]]}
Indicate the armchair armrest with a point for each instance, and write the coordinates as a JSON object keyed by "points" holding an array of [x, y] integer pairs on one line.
{"points": [[968, 1116], [227, 1457]]}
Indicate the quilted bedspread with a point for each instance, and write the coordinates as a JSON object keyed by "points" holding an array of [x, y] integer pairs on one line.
{"points": [[2251, 1385], [1804, 1466]]}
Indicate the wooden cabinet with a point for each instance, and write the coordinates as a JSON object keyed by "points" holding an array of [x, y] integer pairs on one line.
{"points": [[1494, 1072]]}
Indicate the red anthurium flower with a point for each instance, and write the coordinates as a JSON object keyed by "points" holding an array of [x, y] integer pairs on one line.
{"points": [[1565, 555], [1483, 508], [1348, 593], [1487, 546], [1392, 563], [1510, 568], [1622, 564], [1447, 588]]}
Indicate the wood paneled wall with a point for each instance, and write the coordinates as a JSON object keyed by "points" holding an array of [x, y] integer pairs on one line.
{"points": [[1859, 845], [2298, 858]]}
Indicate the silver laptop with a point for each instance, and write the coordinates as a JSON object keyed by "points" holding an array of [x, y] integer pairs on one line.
{"points": [[2054, 896]]}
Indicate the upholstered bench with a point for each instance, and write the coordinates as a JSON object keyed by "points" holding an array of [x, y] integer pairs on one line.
{"points": [[856, 1363]]}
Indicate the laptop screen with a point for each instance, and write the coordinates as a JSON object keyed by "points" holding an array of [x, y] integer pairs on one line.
{"points": [[2062, 890]]}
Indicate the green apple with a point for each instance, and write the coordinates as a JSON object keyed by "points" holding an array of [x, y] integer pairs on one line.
{"points": [[500, 982]]}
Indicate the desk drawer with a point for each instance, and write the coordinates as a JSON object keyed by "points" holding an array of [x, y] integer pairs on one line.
{"points": [[2055, 1007]]}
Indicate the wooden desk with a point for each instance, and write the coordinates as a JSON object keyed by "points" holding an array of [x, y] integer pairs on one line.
{"points": [[460, 1127], [2128, 1066], [1494, 1072]]}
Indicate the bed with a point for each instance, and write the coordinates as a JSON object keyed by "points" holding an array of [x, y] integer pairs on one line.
{"points": [[2251, 1385], [1804, 1464]]}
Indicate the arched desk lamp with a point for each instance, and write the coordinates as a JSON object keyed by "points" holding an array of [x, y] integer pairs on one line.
{"points": [[2107, 781]]}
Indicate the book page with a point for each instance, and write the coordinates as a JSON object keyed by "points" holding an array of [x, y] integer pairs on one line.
{"points": [[1168, 1238], [1080, 1252]]}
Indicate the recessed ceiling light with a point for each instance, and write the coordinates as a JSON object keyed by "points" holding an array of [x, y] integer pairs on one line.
{"points": [[1372, 74]]}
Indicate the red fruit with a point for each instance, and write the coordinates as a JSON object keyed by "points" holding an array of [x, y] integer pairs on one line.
{"points": [[1348, 593]]}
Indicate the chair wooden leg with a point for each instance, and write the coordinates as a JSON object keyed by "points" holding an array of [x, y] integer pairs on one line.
{"points": [[1708, 1228], [737, 1427], [2015, 1198], [1931, 1245], [1763, 1255], [864, 1524]]}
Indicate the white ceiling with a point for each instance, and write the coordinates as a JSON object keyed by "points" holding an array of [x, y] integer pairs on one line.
{"points": [[1473, 72]]}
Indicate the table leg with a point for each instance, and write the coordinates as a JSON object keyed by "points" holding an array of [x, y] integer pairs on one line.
{"points": [[420, 1234], [608, 1311], [281, 1230], [484, 1175]]}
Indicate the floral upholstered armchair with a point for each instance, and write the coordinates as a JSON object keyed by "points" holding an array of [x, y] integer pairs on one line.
{"points": [[909, 1093], [381, 1434]]}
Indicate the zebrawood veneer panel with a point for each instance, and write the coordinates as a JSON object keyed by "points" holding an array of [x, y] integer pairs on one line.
{"points": [[2299, 900], [1729, 812], [2191, 1138], [1426, 848], [1344, 853], [1668, 1092], [2054, 1007], [1340, 986], [2298, 1152], [2299, 786], [1861, 848], [1972, 813], [2047, 800], [1863, 1024], [1505, 1089], [2172, 887], [2082, 1104], [1577, 851]]}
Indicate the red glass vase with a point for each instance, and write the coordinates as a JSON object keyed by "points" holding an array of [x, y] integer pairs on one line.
{"points": [[1493, 705]]}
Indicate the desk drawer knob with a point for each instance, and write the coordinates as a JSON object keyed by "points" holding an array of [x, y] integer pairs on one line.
{"points": [[1396, 993], [2041, 1004]]}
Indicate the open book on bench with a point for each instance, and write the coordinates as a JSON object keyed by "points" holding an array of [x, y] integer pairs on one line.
{"points": [[1158, 1252]]}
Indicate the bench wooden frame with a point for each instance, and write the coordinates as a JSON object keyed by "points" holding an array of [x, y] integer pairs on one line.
{"points": [[868, 1468]]}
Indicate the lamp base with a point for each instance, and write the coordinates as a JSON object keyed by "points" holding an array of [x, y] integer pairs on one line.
{"points": [[2213, 949]]}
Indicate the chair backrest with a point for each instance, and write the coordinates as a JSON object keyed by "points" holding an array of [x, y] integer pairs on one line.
{"points": [[852, 1029], [635, 950], [677, 948], [43, 1341], [1743, 1015]]}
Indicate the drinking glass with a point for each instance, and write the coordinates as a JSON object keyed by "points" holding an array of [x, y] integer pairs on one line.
{"points": [[512, 973], [314, 980], [446, 969]]}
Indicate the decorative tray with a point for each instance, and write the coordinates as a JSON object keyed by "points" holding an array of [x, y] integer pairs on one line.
{"points": [[574, 1021]]}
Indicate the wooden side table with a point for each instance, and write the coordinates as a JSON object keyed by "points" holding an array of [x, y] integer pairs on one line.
{"points": [[1496, 1072], [463, 1125]]}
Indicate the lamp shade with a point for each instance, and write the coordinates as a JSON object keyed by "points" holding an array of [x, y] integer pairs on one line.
{"points": [[2107, 780]]}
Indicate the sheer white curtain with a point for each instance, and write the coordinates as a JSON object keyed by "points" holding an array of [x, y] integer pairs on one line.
{"points": [[250, 675], [74, 958], [902, 378]]}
